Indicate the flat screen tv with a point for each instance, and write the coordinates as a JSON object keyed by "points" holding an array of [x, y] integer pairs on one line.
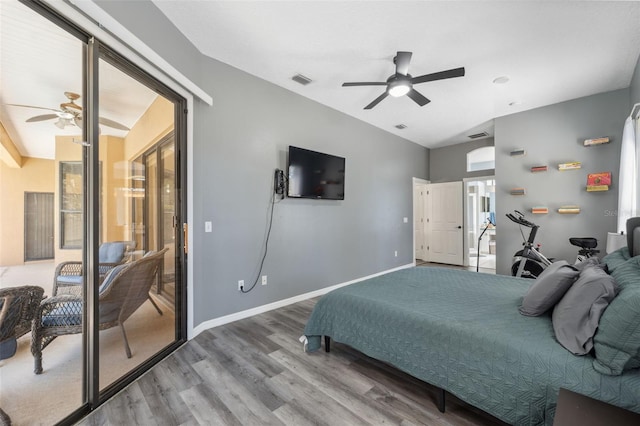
{"points": [[315, 175]]}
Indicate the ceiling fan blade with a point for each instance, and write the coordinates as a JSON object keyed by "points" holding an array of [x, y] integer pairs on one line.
{"points": [[41, 118], [377, 100], [111, 123], [34, 107], [456, 72], [402, 60], [371, 83], [417, 97]]}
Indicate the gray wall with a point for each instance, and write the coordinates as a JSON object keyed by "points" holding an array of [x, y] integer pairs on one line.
{"points": [[635, 85], [553, 135], [314, 243], [239, 142], [449, 163], [149, 24]]}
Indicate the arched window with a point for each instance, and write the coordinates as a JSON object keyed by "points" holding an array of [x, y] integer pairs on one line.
{"points": [[481, 159]]}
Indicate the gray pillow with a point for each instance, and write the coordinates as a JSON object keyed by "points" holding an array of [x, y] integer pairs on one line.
{"points": [[548, 288], [592, 261], [575, 318]]}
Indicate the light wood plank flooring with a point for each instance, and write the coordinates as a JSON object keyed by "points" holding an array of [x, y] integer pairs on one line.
{"points": [[254, 372]]}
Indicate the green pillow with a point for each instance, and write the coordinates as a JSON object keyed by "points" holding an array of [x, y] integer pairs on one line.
{"points": [[616, 258], [627, 273], [617, 341]]}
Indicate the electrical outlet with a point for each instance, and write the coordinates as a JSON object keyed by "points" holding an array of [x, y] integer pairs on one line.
{"points": [[240, 285], [264, 280], [395, 253], [207, 226]]}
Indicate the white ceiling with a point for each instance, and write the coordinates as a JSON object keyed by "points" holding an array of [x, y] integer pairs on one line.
{"points": [[551, 51], [38, 63]]}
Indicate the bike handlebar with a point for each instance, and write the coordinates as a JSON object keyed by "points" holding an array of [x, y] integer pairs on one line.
{"points": [[520, 220]]}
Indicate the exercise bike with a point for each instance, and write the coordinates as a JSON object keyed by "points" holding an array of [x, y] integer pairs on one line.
{"points": [[530, 262]]}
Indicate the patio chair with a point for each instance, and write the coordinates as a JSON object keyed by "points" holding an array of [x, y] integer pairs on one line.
{"points": [[68, 275], [18, 306], [124, 289]]}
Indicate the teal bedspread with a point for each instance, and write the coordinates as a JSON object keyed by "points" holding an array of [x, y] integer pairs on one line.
{"points": [[461, 331]]}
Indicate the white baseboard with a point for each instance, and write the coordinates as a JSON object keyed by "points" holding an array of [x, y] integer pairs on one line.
{"points": [[280, 303]]}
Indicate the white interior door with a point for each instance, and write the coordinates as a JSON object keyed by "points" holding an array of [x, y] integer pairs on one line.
{"points": [[445, 223], [419, 194]]}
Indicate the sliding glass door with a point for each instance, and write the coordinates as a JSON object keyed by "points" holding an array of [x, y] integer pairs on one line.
{"points": [[102, 143], [139, 219]]}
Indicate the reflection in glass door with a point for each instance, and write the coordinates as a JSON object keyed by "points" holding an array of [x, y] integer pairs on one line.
{"points": [[139, 212]]}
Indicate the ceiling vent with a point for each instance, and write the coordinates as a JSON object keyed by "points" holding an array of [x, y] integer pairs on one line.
{"points": [[299, 78], [478, 135], [400, 126]]}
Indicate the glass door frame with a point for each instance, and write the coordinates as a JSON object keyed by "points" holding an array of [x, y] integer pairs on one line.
{"points": [[93, 51]]}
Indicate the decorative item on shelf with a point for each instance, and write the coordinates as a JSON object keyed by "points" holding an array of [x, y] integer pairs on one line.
{"points": [[518, 191], [569, 210], [539, 210], [574, 165], [598, 181], [597, 141], [536, 169], [518, 152]]}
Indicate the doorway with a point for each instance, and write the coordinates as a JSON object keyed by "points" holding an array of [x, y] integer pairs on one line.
{"points": [[480, 220], [38, 226], [438, 222]]}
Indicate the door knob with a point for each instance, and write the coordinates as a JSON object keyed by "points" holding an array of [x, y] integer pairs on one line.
{"points": [[459, 226]]}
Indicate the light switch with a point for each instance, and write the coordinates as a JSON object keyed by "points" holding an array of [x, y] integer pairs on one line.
{"points": [[405, 219], [207, 226]]}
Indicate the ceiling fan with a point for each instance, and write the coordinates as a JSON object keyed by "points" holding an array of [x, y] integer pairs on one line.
{"points": [[401, 83], [69, 114]]}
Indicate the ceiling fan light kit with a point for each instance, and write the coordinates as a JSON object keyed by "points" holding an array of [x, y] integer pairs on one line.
{"points": [[401, 83], [69, 114]]}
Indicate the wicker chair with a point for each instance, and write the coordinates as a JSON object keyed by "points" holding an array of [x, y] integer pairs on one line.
{"points": [[124, 289], [18, 306], [67, 278]]}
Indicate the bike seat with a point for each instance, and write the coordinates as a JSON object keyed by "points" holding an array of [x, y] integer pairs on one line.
{"points": [[584, 242]]}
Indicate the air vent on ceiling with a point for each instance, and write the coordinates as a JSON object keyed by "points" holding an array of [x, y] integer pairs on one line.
{"points": [[478, 135], [299, 78], [400, 126]]}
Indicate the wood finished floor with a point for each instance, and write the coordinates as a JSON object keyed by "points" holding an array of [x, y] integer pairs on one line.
{"points": [[254, 372]]}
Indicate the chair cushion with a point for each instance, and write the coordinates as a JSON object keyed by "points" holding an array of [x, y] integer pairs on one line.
{"points": [[111, 252], [8, 348], [108, 279], [575, 318], [66, 314], [69, 279], [548, 288]]}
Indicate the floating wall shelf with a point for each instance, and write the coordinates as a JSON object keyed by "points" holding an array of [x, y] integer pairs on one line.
{"points": [[574, 165], [537, 169], [539, 210], [569, 210], [597, 188], [517, 191], [597, 141], [518, 153]]}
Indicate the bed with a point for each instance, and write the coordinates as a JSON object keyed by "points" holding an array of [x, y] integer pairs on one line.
{"points": [[461, 331]]}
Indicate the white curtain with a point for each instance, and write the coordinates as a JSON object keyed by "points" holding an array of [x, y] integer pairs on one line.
{"points": [[628, 184]]}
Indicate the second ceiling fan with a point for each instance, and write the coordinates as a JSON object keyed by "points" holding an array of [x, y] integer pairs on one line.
{"points": [[69, 114], [401, 83]]}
